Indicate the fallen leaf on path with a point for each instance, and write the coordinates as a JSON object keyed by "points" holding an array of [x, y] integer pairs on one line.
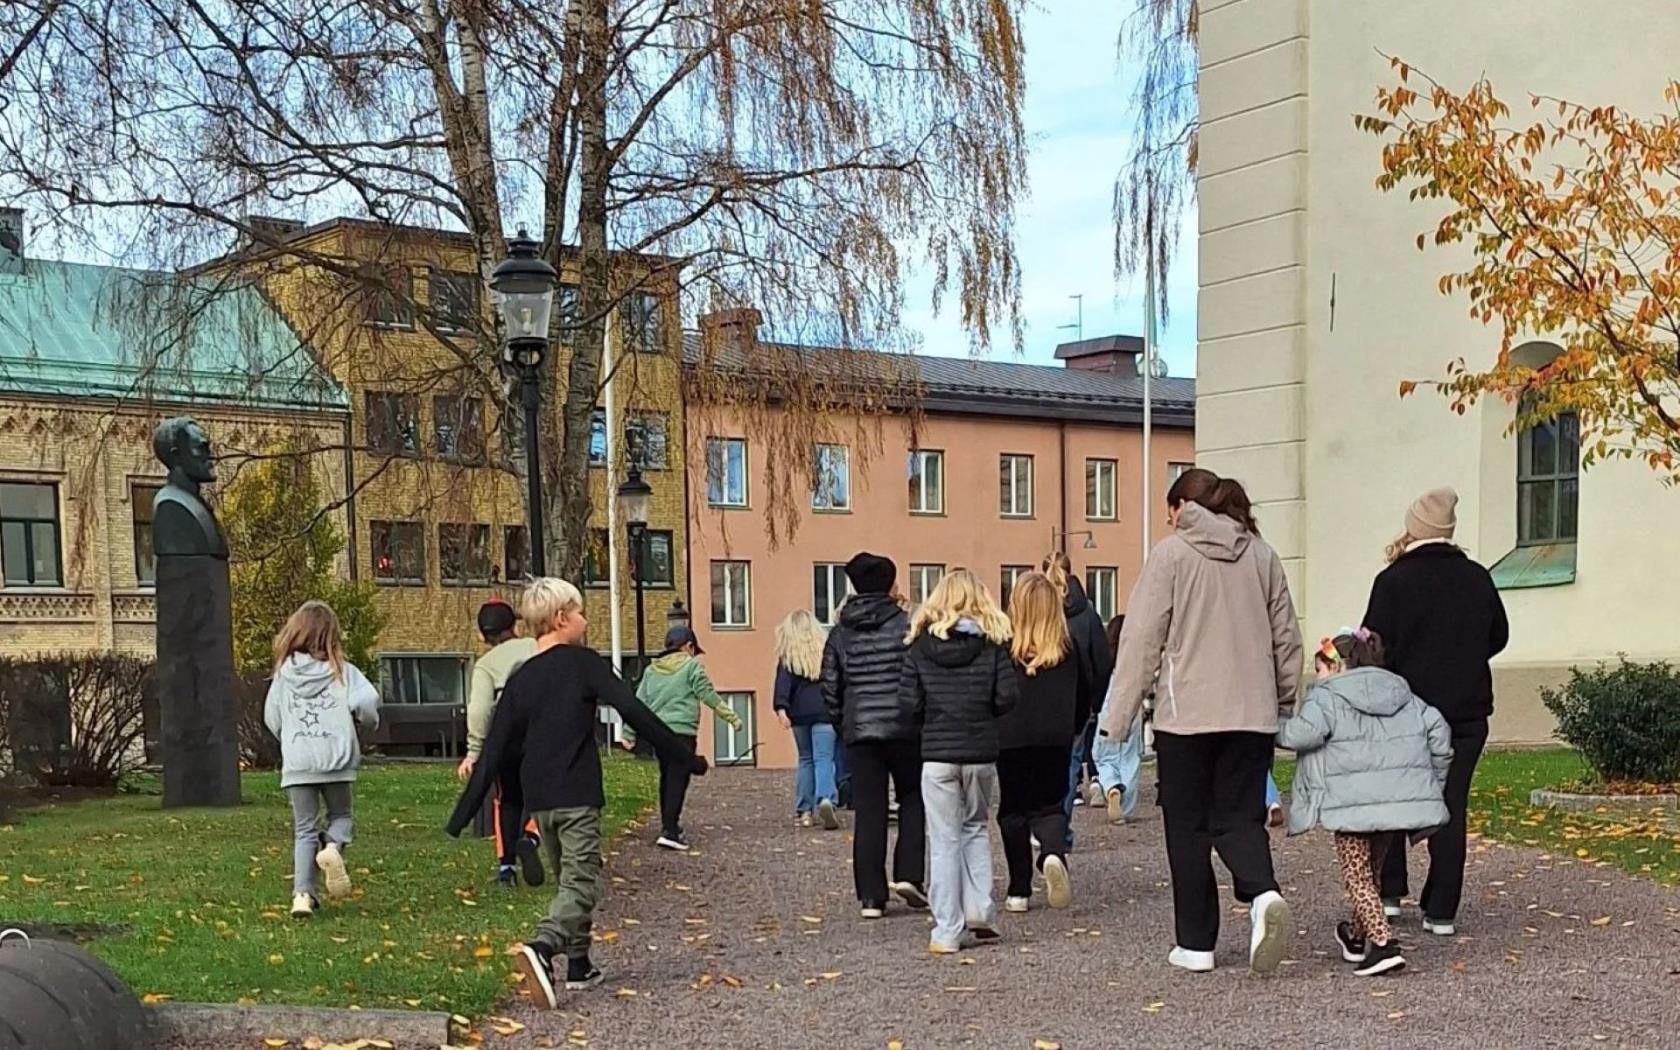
{"points": [[275, 1043], [1045, 1044], [812, 919], [961, 988], [505, 1026], [895, 1044], [1383, 994], [1396, 1015], [607, 937], [625, 993], [1154, 1008], [830, 975], [1603, 920], [733, 982], [631, 922]]}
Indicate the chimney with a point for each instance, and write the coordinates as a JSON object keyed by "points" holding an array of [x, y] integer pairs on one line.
{"points": [[266, 229], [11, 240], [1104, 353], [734, 328]]}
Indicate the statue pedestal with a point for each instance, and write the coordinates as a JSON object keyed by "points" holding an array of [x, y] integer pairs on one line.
{"points": [[198, 693]]}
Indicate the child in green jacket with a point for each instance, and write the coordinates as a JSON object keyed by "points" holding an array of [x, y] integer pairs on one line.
{"points": [[673, 687]]}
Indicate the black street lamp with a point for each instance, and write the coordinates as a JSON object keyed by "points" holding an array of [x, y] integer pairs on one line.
{"points": [[634, 499], [524, 286]]}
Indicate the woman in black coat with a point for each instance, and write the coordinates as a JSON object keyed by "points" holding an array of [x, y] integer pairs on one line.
{"points": [[1442, 620]]}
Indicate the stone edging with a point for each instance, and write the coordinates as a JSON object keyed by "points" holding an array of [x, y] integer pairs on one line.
{"points": [[1573, 802], [212, 1024]]}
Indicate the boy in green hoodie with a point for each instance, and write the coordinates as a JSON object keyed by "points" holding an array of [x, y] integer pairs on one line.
{"points": [[673, 687]]}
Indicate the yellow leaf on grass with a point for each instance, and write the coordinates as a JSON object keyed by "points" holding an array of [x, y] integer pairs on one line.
{"points": [[30, 880], [483, 951], [154, 997]]}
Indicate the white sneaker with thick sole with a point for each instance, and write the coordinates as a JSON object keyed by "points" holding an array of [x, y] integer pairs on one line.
{"points": [[1195, 962], [1017, 905], [871, 911], [825, 813], [1439, 928], [1116, 800], [1391, 907], [1269, 939], [303, 906], [1094, 794], [331, 863], [1057, 885]]}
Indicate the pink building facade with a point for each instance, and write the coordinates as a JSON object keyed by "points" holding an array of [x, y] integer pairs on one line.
{"points": [[1010, 462]]}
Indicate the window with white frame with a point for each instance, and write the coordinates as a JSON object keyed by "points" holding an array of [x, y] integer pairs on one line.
{"points": [[731, 594], [831, 477], [726, 472], [923, 579], [1011, 576], [1101, 587], [1101, 480], [1015, 485], [1176, 471], [927, 481], [829, 589], [731, 746]]}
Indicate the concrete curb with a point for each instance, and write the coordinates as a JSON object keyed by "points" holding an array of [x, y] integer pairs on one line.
{"points": [[1572, 802], [213, 1024]]}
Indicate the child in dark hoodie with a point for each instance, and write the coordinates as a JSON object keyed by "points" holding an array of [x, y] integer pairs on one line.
{"points": [[958, 679], [315, 702]]}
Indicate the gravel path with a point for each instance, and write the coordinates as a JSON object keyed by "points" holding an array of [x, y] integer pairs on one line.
{"points": [[752, 940]]}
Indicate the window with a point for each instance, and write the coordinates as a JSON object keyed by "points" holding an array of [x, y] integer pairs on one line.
{"points": [[659, 572], [726, 472], [390, 295], [642, 328], [516, 553], [1100, 475], [140, 496], [393, 424], [566, 304], [1548, 485], [1176, 471], [730, 746], [831, 477], [731, 597], [454, 299], [1011, 575], [598, 438], [1101, 585], [927, 482], [423, 679], [458, 428], [464, 553], [597, 560], [923, 579], [645, 440], [1015, 486], [29, 535], [829, 588], [399, 551]]}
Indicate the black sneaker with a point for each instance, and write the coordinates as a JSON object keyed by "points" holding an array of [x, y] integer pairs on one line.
{"points": [[911, 894], [1354, 948], [673, 841], [983, 934], [530, 860], [537, 964], [505, 876], [581, 974], [1381, 958]]}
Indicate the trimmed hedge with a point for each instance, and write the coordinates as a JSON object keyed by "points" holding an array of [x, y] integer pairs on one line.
{"points": [[1625, 719]]}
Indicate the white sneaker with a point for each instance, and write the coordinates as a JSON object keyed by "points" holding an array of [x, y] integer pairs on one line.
{"points": [[1094, 794], [826, 815], [331, 863], [1439, 928], [1391, 907], [1269, 939], [1274, 815], [1058, 887], [872, 911], [1195, 962], [303, 906], [1017, 904]]}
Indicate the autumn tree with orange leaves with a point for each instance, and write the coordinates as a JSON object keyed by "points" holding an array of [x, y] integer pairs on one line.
{"points": [[1573, 224]]}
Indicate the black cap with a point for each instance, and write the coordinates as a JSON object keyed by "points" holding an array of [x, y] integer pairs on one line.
{"points": [[677, 637], [495, 617], [871, 573]]}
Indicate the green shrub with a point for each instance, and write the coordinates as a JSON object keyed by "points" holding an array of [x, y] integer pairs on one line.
{"points": [[75, 719], [1625, 720]]}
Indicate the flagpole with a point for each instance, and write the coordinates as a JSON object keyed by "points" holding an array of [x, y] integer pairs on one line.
{"points": [[614, 617], [1148, 370]]}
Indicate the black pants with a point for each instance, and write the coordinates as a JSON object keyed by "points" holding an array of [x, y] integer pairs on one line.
{"points": [[1444, 888], [511, 818], [673, 788], [873, 763], [1213, 797], [1032, 782]]}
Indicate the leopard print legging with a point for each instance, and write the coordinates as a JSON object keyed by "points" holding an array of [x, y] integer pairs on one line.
{"points": [[1361, 857]]}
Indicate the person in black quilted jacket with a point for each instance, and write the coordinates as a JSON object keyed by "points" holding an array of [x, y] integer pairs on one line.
{"points": [[959, 680], [862, 662]]}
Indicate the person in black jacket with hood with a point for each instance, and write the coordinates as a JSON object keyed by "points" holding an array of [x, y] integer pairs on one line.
{"points": [[1089, 637], [1441, 620], [861, 667]]}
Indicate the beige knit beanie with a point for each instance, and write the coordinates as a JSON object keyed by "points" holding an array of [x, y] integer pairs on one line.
{"points": [[1433, 515]]}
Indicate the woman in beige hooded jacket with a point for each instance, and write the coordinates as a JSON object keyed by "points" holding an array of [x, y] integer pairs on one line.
{"points": [[1210, 627]]}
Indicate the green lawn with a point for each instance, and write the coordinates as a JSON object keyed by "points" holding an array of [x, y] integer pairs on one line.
{"points": [[201, 897]]}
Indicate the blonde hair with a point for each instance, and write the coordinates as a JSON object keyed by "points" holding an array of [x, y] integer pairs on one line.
{"points": [[1040, 629], [960, 595], [1056, 568], [312, 629], [545, 598], [799, 644]]}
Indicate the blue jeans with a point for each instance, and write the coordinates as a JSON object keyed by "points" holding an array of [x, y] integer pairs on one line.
{"points": [[814, 780], [1272, 796], [1120, 764]]}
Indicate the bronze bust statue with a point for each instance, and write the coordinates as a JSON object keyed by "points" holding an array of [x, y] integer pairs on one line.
{"points": [[182, 523]]}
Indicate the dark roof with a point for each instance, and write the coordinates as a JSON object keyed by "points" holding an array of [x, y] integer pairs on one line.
{"points": [[971, 386]]}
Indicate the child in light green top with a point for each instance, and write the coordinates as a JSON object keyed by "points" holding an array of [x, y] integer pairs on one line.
{"points": [[673, 687]]}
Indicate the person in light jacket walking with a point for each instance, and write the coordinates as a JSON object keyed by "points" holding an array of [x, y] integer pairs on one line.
{"points": [[1212, 617], [516, 832], [1373, 761], [799, 707], [673, 687], [315, 702]]}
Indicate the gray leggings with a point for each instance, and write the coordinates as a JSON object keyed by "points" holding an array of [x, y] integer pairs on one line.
{"points": [[307, 802]]}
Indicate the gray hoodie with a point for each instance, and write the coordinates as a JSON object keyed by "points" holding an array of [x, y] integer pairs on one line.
{"points": [[314, 716], [1373, 756]]}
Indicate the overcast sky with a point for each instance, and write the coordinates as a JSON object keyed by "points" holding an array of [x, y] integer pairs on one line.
{"points": [[1078, 128]]}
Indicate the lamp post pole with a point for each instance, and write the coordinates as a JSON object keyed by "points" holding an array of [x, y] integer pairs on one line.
{"points": [[531, 383], [524, 287], [635, 498]]}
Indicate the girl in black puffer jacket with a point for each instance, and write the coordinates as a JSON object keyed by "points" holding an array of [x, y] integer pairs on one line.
{"points": [[958, 679]]}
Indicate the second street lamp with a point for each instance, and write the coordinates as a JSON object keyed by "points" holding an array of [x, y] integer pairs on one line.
{"points": [[635, 497], [524, 286]]}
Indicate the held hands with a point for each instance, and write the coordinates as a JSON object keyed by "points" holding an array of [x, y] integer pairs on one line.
{"points": [[699, 766], [464, 771]]}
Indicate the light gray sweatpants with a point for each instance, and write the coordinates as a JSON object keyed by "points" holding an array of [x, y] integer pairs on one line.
{"points": [[958, 799], [308, 800]]}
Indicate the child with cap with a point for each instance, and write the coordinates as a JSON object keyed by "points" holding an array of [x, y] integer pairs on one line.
{"points": [[673, 687], [496, 623]]}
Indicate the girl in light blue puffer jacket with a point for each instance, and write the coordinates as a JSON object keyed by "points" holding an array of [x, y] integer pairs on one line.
{"points": [[1373, 761]]}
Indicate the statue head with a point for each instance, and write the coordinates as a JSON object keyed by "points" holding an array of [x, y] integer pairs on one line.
{"points": [[181, 445]]}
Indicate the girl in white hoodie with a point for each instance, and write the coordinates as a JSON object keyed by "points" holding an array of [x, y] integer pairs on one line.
{"points": [[314, 704]]}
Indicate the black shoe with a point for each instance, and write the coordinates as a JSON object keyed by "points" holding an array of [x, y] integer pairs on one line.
{"points": [[985, 934], [581, 974], [1354, 948], [506, 877], [911, 894], [537, 964], [530, 861], [673, 841], [1381, 958]]}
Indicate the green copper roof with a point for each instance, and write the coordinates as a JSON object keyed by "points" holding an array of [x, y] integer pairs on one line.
{"points": [[1545, 565], [75, 330]]}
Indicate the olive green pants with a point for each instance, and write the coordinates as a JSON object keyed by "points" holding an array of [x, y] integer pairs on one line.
{"points": [[572, 839]]}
